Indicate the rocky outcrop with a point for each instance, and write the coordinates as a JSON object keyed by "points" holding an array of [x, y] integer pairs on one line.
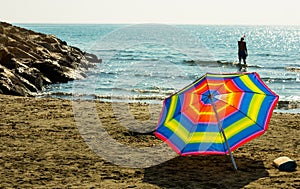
{"points": [[31, 60]]}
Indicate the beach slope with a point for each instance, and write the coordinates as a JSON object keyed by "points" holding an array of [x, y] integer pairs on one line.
{"points": [[41, 147]]}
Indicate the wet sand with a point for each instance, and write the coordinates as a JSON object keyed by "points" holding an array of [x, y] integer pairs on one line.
{"points": [[43, 146]]}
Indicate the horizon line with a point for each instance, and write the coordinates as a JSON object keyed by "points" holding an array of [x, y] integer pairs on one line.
{"points": [[137, 23]]}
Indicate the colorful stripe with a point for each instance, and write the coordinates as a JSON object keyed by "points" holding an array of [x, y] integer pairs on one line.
{"points": [[188, 122]]}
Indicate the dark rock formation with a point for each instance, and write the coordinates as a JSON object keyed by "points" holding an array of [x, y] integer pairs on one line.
{"points": [[31, 60]]}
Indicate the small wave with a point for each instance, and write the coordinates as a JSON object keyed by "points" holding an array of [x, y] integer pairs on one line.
{"points": [[105, 50], [218, 63], [111, 98], [129, 58], [127, 51], [153, 91], [131, 98], [280, 80], [107, 73], [145, 75], [161, 77], [114, 89], [125, 91], [237, 64], [294, 64], [201, 63], [275, 68], [49, 94], [163, 88], [65, 95], [286, 103], [271, 55]]}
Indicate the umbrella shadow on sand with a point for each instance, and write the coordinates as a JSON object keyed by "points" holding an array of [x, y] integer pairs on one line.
{"points": [[205, 172]]}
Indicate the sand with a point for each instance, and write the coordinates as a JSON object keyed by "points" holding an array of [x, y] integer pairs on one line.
{"points": [[45, 144]]}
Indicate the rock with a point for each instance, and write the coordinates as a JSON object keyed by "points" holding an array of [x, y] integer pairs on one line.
{"points": [[34, 76], [286, 105], [6, 59], [285, 164], [293, 69], [92, 58], [30, 60], [12, 84]]}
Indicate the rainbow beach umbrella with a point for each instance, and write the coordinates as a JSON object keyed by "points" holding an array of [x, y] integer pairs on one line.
{"points": [[216, 114]]}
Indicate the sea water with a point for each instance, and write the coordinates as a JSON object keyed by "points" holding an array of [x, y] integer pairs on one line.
{"points": [[149, 62]]}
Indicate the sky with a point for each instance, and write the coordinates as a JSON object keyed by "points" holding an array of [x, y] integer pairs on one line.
{"points": [[224, 12]]}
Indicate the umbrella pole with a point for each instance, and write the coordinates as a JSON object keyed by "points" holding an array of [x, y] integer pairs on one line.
{"points": [[223, 133]]}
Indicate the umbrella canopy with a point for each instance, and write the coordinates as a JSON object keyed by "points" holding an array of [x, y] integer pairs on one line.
{"points": [[216, 114]]}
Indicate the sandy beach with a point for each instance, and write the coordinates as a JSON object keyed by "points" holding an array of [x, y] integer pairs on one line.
{"points": [[42, 146]]}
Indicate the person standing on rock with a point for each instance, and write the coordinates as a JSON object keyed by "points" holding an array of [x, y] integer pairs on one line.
{"points": [[242, 53]]}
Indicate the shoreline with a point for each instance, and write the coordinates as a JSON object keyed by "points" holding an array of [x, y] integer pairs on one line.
{"points": [[41, 146], [288, 106]]}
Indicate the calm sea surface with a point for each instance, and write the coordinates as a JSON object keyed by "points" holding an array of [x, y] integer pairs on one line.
{"points": [[148, 62]]}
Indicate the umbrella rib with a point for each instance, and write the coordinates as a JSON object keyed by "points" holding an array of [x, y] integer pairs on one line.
{"points": [[243, 112]]}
